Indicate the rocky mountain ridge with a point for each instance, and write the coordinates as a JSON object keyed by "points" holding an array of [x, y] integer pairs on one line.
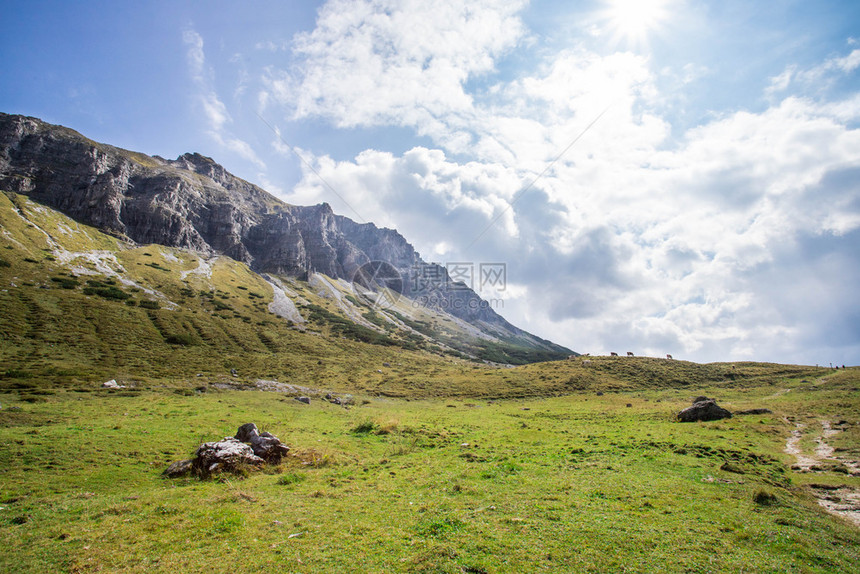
{"points": [[194, 203]]}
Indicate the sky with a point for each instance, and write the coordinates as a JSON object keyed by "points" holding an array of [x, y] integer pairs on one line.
{"points": [[657, 176]]}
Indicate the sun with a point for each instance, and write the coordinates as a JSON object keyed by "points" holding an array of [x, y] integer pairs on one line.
{"points": [[633, 21]]}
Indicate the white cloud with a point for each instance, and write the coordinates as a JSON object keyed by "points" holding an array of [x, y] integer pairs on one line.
{"points": [[421, 186], [213, 107], [625, 243], [629, 239], [817, 78], [396, 63]]}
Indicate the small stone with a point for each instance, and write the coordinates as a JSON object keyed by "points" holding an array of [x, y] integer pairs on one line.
{"points": [[179, 468], [305, 400]]}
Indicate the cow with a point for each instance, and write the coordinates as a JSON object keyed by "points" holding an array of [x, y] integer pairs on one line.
{"points": [[669, 356], [629, 354], [613, 354]]}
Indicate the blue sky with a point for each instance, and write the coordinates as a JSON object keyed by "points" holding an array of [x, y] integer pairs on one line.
{"points": [[709, 206]]}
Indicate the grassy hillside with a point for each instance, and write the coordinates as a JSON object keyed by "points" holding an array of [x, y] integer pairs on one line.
{"points": [[79, 306]]}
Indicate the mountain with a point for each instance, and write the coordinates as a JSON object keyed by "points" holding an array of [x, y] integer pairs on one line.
{"points": [[193, 204]]}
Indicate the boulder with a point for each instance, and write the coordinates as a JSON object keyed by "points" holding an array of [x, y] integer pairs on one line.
{"points": [[305, 400], [703, 409], [112, 384], [228, 455], [265, 445], [246, 432], [249, 449]]}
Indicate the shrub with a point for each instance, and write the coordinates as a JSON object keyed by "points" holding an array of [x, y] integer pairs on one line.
{"points": [[66, 282], [290, 478], [764, 498], [149, 304], [180, 339], [364, 428], [105, 289]]}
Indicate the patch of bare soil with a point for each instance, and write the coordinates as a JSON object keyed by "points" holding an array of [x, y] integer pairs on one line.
{"points": [[841, 501]]}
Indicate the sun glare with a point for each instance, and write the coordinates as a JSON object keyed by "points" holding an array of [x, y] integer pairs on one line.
{"points": [[632, 21]]}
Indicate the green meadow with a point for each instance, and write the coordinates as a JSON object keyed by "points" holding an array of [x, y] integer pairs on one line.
{"points": [[576, 483]]}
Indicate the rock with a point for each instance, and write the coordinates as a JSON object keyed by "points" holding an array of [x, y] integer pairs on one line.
{"points": [[232, 454], [599, 393], [699, 399], [270, 448], [703, 410], [342, 401], [247, 432], [228, 455], [179, 468], [112, 384], [305, 400], [234, 372], [755, 412], [386, 364], [265, 445]]}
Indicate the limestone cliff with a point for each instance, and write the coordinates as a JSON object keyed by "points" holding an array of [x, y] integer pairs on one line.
{"points": [[194, 203]]}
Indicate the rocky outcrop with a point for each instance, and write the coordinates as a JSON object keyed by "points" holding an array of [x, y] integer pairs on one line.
{"points": [[703, 409], [248, 450], [228, 455], [265, 445], [194, 203]]}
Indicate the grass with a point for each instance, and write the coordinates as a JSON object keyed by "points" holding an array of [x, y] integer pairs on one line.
{"points": [[575, 483], [444, 464]]}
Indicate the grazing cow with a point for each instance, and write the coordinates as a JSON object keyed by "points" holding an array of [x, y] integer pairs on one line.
{"points": [[613, 354], [668, 356], [629, 354]]}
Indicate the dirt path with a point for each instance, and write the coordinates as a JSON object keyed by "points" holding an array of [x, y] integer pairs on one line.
{"points": [[841, 501], [792, 447]]}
